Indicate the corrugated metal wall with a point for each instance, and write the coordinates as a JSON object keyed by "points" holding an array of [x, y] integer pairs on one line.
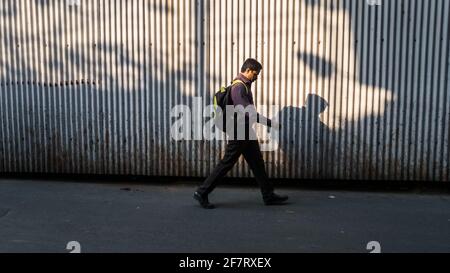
{"points": [[88, 88]]}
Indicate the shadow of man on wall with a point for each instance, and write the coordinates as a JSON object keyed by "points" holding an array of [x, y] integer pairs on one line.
{"points": [[305, 139]]}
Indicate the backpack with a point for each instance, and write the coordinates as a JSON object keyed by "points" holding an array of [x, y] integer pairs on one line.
{"points": [[222, 99]]}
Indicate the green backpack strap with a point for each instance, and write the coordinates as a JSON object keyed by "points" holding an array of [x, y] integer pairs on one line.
{"points": [[215, 104], [239, 81], [224, 89]]}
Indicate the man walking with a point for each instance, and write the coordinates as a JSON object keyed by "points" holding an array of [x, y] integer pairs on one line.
{"points": [[241, 95]]}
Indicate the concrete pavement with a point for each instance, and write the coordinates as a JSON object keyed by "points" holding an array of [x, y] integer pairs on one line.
{"points": [[43, 216]]}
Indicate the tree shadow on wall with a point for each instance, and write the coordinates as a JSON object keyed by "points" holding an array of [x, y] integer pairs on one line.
{"points": [[110, 113]]}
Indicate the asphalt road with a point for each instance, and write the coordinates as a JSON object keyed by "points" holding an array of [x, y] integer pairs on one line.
{"points": [[44, 216]]}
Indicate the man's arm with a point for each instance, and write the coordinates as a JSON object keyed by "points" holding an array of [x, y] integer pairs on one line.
{"points": [[239, 97]]}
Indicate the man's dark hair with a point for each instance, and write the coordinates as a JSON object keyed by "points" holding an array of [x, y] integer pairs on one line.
{"points": [[251, 64]]}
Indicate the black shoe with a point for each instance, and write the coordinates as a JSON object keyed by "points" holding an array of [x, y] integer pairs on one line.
{"points": [[275, 199], [204, 202]]}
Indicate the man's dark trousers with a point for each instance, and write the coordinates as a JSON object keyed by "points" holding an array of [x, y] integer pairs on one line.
{"points": [[251, 151]]}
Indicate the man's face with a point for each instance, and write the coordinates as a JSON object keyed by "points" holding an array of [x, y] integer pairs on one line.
{"points": [[252, 75]]}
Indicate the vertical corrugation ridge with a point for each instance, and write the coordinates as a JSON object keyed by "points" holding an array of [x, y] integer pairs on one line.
{"points": [[89, 88]]}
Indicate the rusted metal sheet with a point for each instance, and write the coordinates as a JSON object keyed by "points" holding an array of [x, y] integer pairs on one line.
{"points": [[362, 89]]}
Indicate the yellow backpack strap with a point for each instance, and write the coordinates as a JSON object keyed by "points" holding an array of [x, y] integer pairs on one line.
{"points": [[239, 81], [215, 103]]}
